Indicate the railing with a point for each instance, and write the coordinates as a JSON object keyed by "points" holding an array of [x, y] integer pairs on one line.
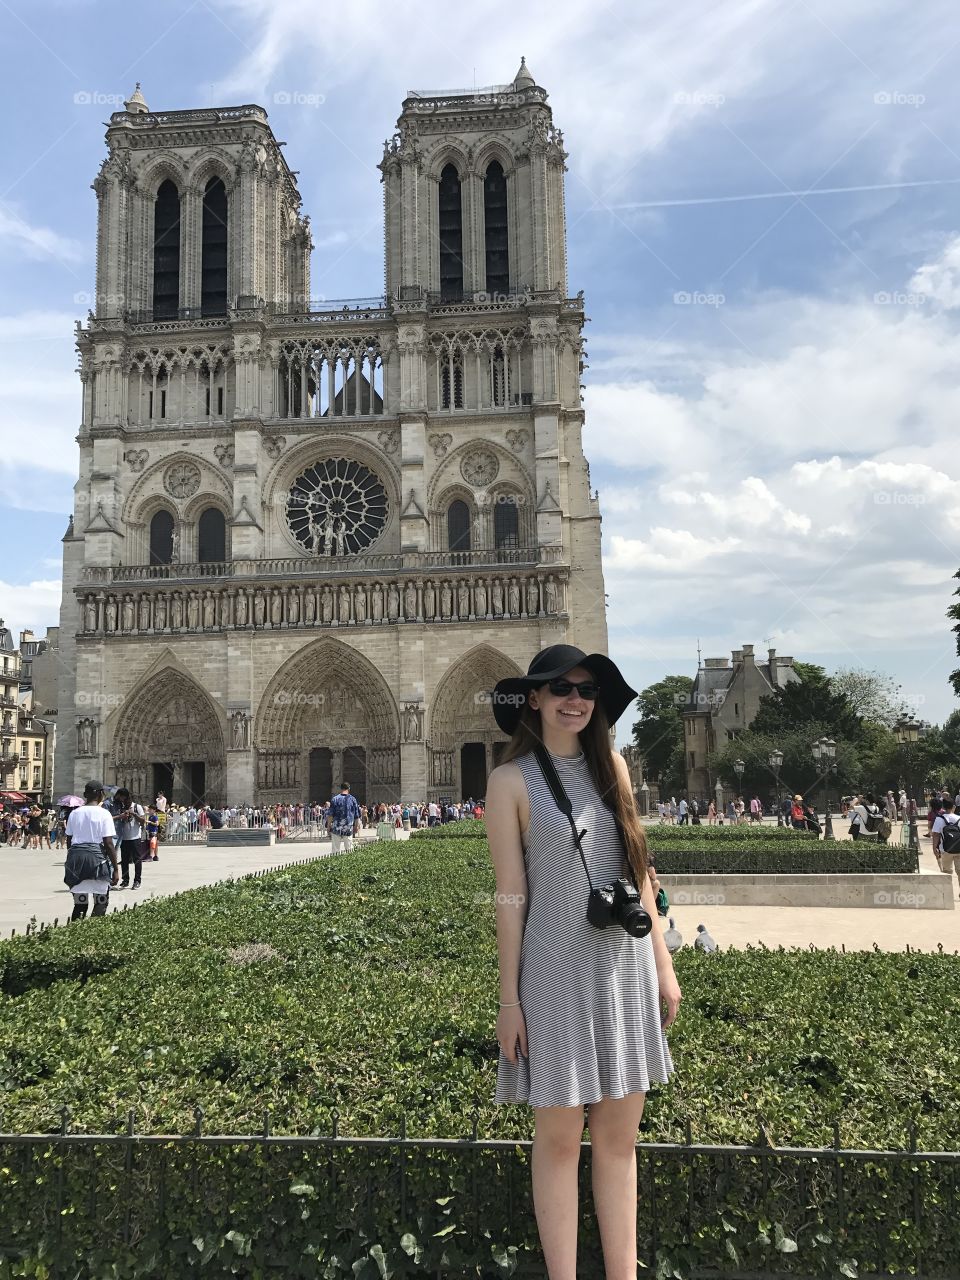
{"points": [[324, 566], [281, 1195]]}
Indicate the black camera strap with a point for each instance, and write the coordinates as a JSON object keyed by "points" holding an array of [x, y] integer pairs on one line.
{"points": [[549, 771]]}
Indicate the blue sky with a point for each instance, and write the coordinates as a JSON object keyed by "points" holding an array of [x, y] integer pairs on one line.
{"points": [[762, 211]]}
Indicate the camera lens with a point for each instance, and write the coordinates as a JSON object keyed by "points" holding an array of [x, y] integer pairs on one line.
{"points": [[636, 921]]}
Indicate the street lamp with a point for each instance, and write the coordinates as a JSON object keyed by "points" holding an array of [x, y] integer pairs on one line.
{"points": [[907, 731], [49, 763], [739, 766], [776, 764], [824, 752]]}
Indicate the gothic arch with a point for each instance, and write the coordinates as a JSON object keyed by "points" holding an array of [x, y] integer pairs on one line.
{"points": [[459, 710], [160, 166], [510, 476], [447, 152], [212, 164], [148, 492], [169, 719], [493, 148]]}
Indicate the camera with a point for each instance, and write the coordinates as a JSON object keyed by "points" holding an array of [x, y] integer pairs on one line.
{"points": [[619, 903]]}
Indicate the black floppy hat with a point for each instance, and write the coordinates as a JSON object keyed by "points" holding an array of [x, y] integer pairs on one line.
{"points": [[510, 695]]}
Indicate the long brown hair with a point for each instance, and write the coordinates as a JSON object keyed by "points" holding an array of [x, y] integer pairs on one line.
{"points": [[615, 794]]}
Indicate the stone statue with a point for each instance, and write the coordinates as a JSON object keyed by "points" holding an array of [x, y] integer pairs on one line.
{"points": [[344, 611], [393, 602], [127, 613], [480, 599], [550, 594], [209, 610], [85, 738], [497, 598], [259, 608], [144, 619], [176, 612], [276, 608], [160, 613], [293, 607], [413, 723], [327, 533], [111, 614], [429, 602], [193, 611], [446, 600], [239, 730], [463, 600], [90, 613], [410, 602], [533, 597], [241, 612], [377, 602], [513, 597], [339, 534], [327, 605], [310, 607], [175, 547], [360, 604]]}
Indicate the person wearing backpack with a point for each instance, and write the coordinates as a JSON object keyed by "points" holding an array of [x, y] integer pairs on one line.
{"points": [[865, 817], [946, 838]]}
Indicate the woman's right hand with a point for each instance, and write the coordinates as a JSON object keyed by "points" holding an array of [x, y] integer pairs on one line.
{"points": [[511, 1029]]}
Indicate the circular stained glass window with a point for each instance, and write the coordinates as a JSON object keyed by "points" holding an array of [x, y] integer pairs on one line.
{"points": [[337, 507]]}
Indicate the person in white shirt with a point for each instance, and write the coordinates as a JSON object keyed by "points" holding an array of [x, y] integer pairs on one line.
{"points": [[91, 865], [945, 834], [859, 815]]}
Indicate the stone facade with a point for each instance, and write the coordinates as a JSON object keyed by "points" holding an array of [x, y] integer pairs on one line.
{"points": [[723, 702], [308, 541]]}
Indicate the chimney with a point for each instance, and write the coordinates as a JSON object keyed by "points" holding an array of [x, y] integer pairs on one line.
{"points": [[737, 656], [714, 664], [771, 656], [748, 654]]}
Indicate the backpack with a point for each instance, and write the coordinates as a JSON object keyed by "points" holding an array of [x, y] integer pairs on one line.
{"points": [[950, 836], [874, 820]]}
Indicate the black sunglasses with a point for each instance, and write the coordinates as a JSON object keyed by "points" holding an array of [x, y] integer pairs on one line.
{"points": [[561, 688]]}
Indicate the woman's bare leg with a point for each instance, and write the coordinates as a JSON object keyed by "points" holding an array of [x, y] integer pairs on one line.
{"points": [[555, 1162], [613, 1124]]}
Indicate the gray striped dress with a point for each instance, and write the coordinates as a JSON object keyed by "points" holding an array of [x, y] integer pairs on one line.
{"points": [[589, 996]]}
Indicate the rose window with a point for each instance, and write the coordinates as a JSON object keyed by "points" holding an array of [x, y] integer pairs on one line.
{"points": [[337, 507]]}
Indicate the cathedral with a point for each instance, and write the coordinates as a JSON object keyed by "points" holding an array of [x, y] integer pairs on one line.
{"points": [[309, 538]]}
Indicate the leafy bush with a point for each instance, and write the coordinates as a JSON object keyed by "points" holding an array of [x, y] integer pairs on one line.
{"points": [[663, 833], [847, 857], [374, 992]]}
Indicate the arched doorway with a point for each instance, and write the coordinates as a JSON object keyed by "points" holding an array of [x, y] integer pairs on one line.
{"points": [[327, 716], [169, 738], [465, 742]]}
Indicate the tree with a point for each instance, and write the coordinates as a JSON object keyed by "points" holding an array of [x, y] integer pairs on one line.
{"points": [[954, 612], [658, 734], [870, 694], [806, 703]]}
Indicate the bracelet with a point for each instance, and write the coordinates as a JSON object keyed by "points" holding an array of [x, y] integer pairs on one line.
{"points": [[514, 1005]]}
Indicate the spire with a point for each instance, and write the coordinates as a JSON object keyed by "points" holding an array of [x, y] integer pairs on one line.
{"points": [[135, 103], [523, 79]]}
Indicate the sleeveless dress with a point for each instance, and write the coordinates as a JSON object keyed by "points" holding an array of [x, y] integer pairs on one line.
{"points": [[589, 996]]}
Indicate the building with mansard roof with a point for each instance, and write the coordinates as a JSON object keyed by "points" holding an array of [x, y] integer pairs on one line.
{"points": [[308, 539]]}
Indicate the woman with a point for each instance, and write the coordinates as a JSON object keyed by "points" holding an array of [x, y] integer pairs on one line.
{"points": [[712, 813], [580, 1022], [91, 865]]}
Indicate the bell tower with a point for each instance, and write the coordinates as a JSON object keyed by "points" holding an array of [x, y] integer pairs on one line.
{"points": [[473, 194]]}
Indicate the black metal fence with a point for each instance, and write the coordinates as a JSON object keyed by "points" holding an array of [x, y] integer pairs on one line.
{"points": [[251, 1204]]}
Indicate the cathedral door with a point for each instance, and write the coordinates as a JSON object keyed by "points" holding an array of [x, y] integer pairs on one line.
{"points": [[355, 771], [473, 771], [321, 775]]}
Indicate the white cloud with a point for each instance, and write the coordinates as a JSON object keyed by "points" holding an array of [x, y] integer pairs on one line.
{"points": [[40, 401], [34, 605], [19, 236], [940, 280]]}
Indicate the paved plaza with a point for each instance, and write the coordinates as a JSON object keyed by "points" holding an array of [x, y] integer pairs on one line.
{"points": [[40, 892]]}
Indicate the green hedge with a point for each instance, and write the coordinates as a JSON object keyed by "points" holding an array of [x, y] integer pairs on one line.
{"points": [[663, 833], [845, 857], [368, 983]]}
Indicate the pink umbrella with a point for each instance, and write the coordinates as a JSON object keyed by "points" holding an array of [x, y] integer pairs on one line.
{"points": [[70, 801]]}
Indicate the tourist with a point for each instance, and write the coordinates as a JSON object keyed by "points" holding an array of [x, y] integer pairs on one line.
{"points": [[731, 811], [152, 834], [562, 1047], [343, 820], [712, 814], [890, 804], [798, 819], [91, 865], [682, 812], [128, 817], [756, 809], [946, 838], [863, 814]]}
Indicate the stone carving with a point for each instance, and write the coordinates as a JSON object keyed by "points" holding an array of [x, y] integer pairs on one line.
{"points": [[480, 467], [337, 507], [389, 441], [446, 600], [310, 607], [463, 600], [224, 454], [517, 439], [412, 720], [193, 611], [110, 623], [176, 612], [241, 610], [136, 458], [240, 731], [175, 546], [429, 602], [327, 605], [209, 610], [410, 602], [182, 479], [127, 613], [276, 608], [160, 613], [143, 621], [377, 602], [86, 737], [360, 604], [513, 595], [497, 598], [293, 607], [550, 595], [259, 609], [344, 606], [393, 602], [273, 446], [90, 614], [533, 597], [440, 442], [480, 599]]}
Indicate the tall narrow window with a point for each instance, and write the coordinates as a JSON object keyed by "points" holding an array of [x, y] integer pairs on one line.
{"points": [[451, 382], [495, 226], [451, 235], [166, 252], [211, 536], [506, 523], [213, 286], [458, 526], [498, 378], [161, 538]]}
